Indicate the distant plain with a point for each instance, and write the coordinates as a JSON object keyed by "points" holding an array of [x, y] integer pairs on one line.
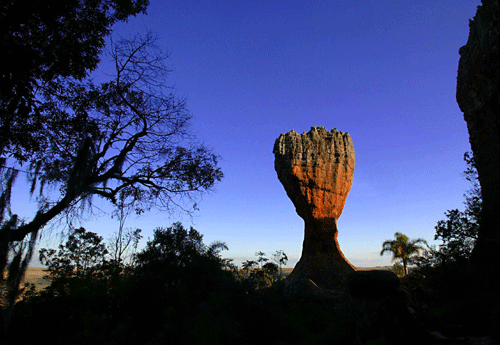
{"points": [[35, 275]]}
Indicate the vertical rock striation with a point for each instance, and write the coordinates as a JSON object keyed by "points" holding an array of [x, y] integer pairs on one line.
{"points": [[316, 170], [478, 95]]}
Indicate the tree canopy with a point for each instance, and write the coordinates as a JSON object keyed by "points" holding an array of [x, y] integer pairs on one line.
{"points": [[41, 43], [403, 248], [125, 138], [459, 231], [83, 251], [461, 227]]}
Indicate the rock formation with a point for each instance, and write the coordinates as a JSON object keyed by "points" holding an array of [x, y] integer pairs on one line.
{"points": [[316, 169], [373, 284], [478, 95]]}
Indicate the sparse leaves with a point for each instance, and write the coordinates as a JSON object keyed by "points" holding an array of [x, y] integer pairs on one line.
{"points": [[83, 251], [459, 231], [126, 139], [35, 38], [177, 247], [262, 273]]}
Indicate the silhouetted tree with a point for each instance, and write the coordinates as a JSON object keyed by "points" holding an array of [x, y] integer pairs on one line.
{"points": [[82, 257], [82, 251], [123, 245], [402, 248], [249, 265], [281, 259], [446, 273], [261, 258], [126, 139], [398, 269], [123, 242], [262, 273], [133, 143], [175, 253], [270, 270], [460, 230], [42, 44]]}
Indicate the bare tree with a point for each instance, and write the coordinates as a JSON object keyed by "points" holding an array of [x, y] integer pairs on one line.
{"points": [[125, 139], [124, 241], [128, 138]]}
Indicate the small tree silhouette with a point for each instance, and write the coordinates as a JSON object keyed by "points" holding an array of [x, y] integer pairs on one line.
{"points": [[281, 259], [76, 264], [403, 248]]}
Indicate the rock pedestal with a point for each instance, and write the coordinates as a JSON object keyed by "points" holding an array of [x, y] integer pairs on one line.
{"points": [[316, 169]]}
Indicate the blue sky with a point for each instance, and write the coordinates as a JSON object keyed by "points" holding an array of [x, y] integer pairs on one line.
{"points": [[384, 71]]}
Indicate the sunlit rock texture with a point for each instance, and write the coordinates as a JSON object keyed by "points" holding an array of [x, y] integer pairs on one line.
{"points": [[478, 95], [316, 170]]}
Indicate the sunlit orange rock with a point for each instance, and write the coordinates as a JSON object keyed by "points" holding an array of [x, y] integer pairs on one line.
{"points": [[316, 169]]}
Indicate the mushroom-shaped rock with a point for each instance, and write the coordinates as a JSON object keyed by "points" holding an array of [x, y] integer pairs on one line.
{"points": [[316, 170]]}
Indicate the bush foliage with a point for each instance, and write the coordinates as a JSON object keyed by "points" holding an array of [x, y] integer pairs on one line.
{"points": [[177, 289], [180, 290]]}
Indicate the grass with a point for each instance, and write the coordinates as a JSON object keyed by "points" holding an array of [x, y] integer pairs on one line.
{"points": [[34, 275]]}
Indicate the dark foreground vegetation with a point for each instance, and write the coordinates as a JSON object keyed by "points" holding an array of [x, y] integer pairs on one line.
{"points": [[83, 139], [178, 290]]}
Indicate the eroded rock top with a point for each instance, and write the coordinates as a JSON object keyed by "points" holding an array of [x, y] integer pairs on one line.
{"points": [[316, 168]]}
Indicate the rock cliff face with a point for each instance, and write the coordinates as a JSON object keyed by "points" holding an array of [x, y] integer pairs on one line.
{"points": [[478, 95], [316, 170]]}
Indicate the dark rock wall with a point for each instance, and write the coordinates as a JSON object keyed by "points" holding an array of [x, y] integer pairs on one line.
{"points": [[478, 95]]}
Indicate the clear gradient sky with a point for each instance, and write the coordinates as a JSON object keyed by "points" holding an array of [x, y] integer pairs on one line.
{"points": [[384, 71]]}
